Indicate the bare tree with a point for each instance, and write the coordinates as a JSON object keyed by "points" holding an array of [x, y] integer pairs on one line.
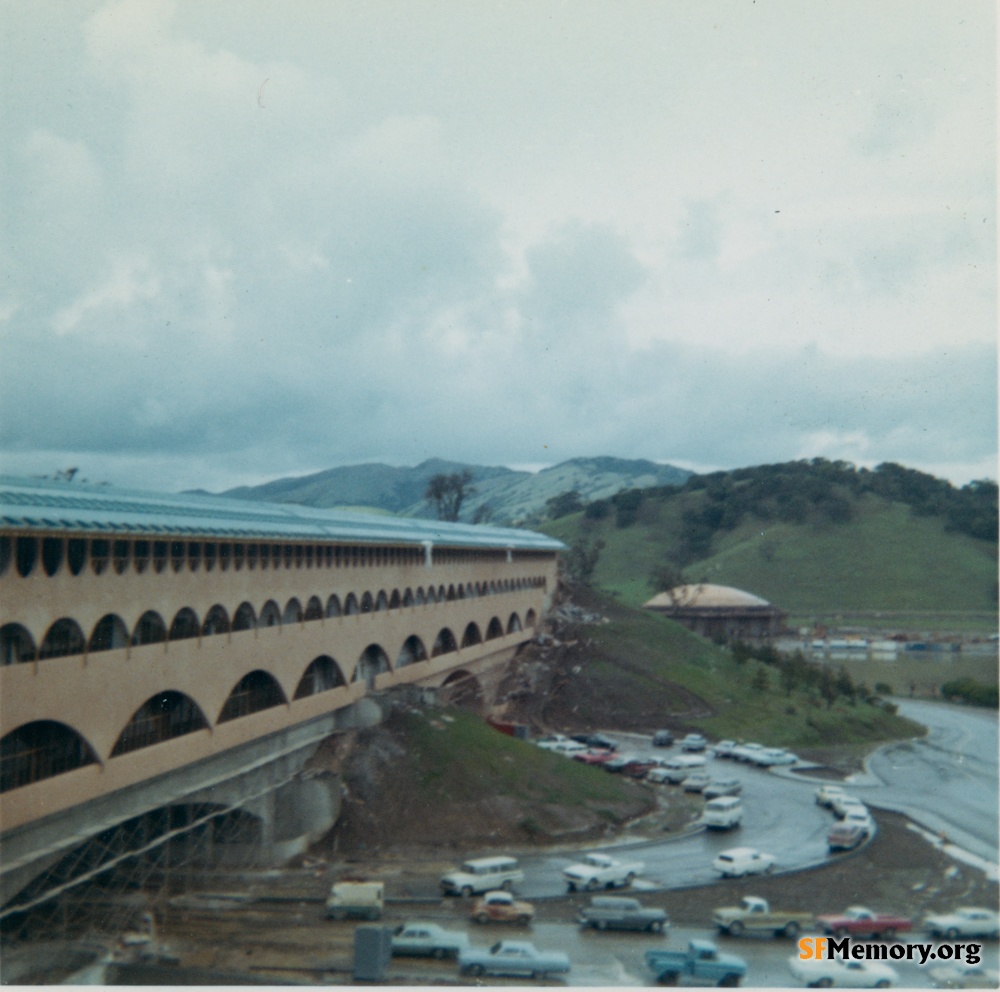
{"points": [[448, 492]]}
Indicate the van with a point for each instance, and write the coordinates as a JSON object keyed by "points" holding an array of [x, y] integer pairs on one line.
{"points": [[723, 813], [355, 900], [482, 875]]}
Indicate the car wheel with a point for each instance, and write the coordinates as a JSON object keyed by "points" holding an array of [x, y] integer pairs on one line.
{"points": [[824, 983], [591, 884], [669, 978], [729, 981], [951, 933], [791, 930], [602, 924], [476, 969], [882, 984], [482, 918], [466, 891], [735, 928], [571, 886], [656, 927]]}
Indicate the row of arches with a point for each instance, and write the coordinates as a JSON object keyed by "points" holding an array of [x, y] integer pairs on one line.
{"points": [[45, 748], [65, 636], [29, 555]]}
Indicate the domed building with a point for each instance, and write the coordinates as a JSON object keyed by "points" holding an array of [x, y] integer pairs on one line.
{"points": [[720, 613]]}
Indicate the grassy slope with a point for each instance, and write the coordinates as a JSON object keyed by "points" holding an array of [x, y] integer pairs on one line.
{"points": [[885, 559], [638, 652]]}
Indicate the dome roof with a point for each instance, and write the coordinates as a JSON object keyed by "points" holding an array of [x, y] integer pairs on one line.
{"points": [[706, 596]]}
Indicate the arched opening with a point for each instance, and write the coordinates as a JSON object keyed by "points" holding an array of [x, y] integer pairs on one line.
{"points": [[254, 692], [63, 638], [471, 636], [52, 554], [322, 675], [333, 607], [216, 621], [381, 601], [451, 594], [314, 609], [40, 750], [163, 716], [431, 596], [293, 612], [530, 618], [109, 634], [16, 644], [495, 629], [373, 661], [149, 630], [408, 599], [394, 600], [412, 651], [6, 553], [367, 603], [26, 554], [461, 688], [444, 643], [351, 605], [244, 618], [184, 625], [270, 615], [513, 624]]}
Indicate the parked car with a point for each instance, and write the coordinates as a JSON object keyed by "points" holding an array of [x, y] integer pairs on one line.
{"points": [[596, 741], [701, 961], [355, 901], [549, 741], [663, 738], [482, 875], [724, 749], [723, 813], [598, 757], [859, 817], [969, 921], [845, 836], [618, 761], [501, 907], [746, 752], [767, 757], [859, 921], [427, 940], [617, 913], [512, 957], [842, 803], [754, 915], [696, 782], [825, 794], [821, 973], [694, 742], [964, 976], [722, 787], [638, 767], [597, 870], [675, 770], [739, 861]]}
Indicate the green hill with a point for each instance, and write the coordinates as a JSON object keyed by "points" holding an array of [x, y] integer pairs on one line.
{"points": [[841, 549]]}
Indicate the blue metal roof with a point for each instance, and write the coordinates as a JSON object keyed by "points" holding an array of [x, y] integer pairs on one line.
{"points": [[48, 505]]}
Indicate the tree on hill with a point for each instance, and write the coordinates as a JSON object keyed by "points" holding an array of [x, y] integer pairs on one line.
{"points": [[564, 504], [448, 491]]}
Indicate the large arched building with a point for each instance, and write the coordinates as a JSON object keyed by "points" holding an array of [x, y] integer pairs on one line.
{"points": [[720, 613], [144, 633]]}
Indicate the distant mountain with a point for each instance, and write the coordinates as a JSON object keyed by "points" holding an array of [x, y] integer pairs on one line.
{"points": [[510, 495]]}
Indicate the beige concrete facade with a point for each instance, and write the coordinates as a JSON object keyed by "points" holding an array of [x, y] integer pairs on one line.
{"points": [[94, 683]]}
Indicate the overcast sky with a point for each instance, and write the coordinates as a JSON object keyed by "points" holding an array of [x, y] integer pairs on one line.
{"points": [[251, 239]]}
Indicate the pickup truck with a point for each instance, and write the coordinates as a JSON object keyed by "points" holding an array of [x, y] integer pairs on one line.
{"points": [[598, 870], [857, 921], [701, 961], [511, 957], [754, 915]]}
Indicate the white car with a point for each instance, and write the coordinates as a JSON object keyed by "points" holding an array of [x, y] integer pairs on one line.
{"points": [[840, 804], [968, 921], [769, 756], [739, 861], [826, 794], [964, 976], [747, 752], [842, 974], [859, 817]]}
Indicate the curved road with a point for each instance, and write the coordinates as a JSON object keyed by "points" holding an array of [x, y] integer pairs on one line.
{"points": [[947, 782]]}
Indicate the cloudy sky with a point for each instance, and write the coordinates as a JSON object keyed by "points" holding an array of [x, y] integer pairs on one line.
{"points": [[253, 238]]}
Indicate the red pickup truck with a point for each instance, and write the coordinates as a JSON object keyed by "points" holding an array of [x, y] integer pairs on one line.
{"points": [[857, 921]]}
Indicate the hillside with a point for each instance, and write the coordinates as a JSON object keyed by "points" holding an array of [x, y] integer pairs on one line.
{"points": [[501, 495], [841, 551]]}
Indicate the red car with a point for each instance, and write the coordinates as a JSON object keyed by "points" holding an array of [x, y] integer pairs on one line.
{"points": [[594, 757], [857, 921]]}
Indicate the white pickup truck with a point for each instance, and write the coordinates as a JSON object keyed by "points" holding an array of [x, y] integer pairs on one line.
{"points": [[598, 870]]}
